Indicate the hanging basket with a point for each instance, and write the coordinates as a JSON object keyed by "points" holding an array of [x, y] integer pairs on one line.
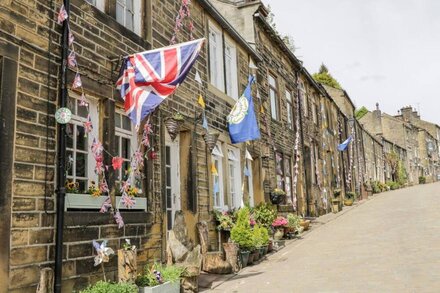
{"points": [[211, 139], [173, 127]]}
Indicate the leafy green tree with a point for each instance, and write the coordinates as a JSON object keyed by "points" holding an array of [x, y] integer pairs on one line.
{"points": [[324, 77]]}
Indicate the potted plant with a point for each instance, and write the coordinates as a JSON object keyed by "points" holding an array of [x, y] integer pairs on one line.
{"points": [[293, 225], [337, 192], [422, 179], [349, 198], [277, 196], [241, 234], [278, 225], [173, 124], [107, 287], [305, 224], [264, 214], [261, 238], [160, 279], [224, 220]]}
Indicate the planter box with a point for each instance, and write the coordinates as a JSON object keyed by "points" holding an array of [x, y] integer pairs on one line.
{"points": [[166, 287], [88, 202]]}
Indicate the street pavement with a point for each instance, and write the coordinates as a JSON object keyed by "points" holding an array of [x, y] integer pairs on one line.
{"points": [[389, 243]]}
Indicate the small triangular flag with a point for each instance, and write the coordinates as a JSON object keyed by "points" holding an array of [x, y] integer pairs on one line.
{"points": [[216, 187], [252, 65], [214, 170], [246, 172], [248, 155], [205, 122], [198, 78], [261, 109], [201, 101], [258, 94]]}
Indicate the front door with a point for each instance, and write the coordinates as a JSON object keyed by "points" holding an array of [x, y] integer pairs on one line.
{"points": [[172, 179]]}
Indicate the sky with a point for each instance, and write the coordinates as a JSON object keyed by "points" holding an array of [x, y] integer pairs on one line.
{"points": [[385, 51]]}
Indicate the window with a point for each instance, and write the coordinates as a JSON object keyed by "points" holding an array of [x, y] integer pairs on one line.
{"points": [[231, 70], [80, 164], [289, 109], [315, 113], [250, 184], [273, 97], [234, 177], [279, 170], [128, 14], [303, 99], [216, 57], [217, 157], [126, 143]]}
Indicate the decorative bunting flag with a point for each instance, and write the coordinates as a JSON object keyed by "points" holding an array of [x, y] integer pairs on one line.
{"points": [[119, 220], [201, 102], [261, 109], [242, 121], [216, 187], [252, 65], [128, 201], [106, 205], [117, 163], [343, 146], [71, 59], [83, 101], [77, 83], [248, 156], [71, 38], [214, 170], [103, 252], [62, 15], [88, 126], [246, 172], [205, 121], [198, 78]]}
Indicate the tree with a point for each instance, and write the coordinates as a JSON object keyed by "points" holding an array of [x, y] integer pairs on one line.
{"points": [[287, 39], [324, 77], [361, 112], [392, 160]]}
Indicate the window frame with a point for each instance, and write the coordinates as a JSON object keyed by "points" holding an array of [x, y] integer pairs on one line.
{"points": [[234, 178], [290, 110], [288, 175], [279, 170], [218, 157], [137, 19], [273, 88], [217, 72], [231, 78], [303, 97]]}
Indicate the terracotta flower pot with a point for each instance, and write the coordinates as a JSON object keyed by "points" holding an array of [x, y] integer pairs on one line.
{"points": [[348, 202]]}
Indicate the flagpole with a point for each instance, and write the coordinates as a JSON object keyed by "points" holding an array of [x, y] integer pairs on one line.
{"points": [[61, 153]]}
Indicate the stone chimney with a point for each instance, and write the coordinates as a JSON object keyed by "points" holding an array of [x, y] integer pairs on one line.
{"points": [[377, 121], [407, 113]]}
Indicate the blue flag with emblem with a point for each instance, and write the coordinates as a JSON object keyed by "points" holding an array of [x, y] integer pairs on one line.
{"points": [[343, 146], [242, 121]]}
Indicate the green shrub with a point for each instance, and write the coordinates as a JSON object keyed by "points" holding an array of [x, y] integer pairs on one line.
{"points": [[265, 214], [375, 186], [350, 195], [168, 274], [293, 221], [393, 185], [105, 287], [422, 180], [260, 236], [241, 233]]}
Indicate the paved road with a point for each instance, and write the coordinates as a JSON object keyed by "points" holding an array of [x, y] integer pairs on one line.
{"points": [[390, 243]]}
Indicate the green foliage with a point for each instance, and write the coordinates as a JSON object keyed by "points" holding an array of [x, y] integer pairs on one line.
{"points": [[324, 77], [402, 175], [260, 235], [265, 214], [168, 274], [105, 287], [393, 185], [293, 221], [360, 112], [225, 220], [241, 233], [350, 195], [422, 180]]}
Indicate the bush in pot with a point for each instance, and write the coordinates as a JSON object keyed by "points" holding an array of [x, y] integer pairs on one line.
{"points": [[265, 214], [278, 224], [160, 278], [242, 234], [349, 198], [293, 224]]}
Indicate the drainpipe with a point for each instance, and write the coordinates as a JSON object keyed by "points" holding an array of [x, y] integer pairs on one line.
{"points": [[61, 153], [302, 140]]}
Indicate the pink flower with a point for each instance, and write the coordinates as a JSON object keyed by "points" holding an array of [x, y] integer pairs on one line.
{"points": [[117, 163], [279, 222]]}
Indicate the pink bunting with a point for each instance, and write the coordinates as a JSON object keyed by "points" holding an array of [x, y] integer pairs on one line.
{"points": [[117, 163], [71, 38], [77, 83], [88, 126], [83, 101], [71, 59], [119, 220], [106, 205], [103, 186], [62, 15], [128, 201]]}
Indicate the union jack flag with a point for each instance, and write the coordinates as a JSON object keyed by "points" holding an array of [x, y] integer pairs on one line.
{"points": [[149, 77], [62, 15], [71, 59]]}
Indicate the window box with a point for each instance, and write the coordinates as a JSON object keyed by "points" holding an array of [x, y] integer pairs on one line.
{"points": [[167, 287], [88, 202]]}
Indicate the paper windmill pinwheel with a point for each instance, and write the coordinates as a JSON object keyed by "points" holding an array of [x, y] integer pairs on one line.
{"points": [[103, 252]]}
